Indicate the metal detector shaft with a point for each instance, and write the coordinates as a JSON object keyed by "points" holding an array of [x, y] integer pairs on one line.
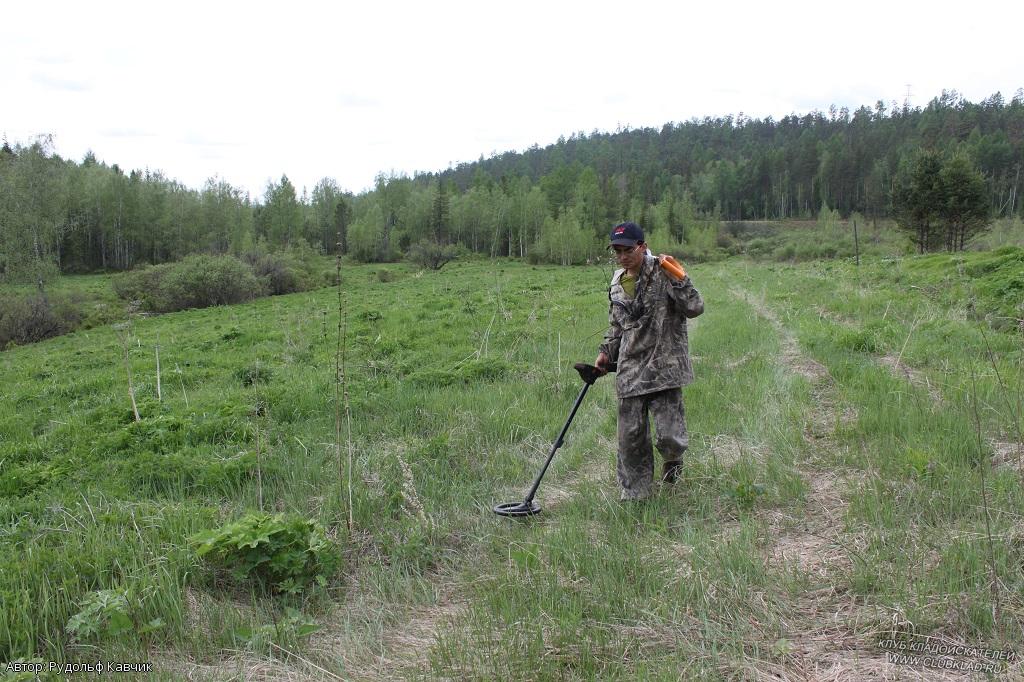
{"points": [[558, 444], [589, 374]]}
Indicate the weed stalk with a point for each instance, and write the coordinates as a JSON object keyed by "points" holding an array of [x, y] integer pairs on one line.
{"points": [[123, 338], [982, 465], [259, 442], [896, 367], [1014, 409], [177, 370], [341, 388], [159, 396]]}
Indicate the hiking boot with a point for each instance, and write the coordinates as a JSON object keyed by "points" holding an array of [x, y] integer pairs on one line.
{"points": [[671, 471]]}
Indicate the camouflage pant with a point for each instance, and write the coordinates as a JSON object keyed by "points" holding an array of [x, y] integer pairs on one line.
{"points": [[636, 456]]}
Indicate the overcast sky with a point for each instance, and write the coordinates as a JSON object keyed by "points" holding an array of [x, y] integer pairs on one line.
{"points": [[248, 91]]}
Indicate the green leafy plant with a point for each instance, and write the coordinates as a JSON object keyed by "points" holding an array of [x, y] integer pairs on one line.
{"points": [[429, 254], [103, 614], [745, 493], [283, 552], [107, 614], [289, 630]]}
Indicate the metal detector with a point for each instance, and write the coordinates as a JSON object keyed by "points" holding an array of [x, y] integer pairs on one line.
{"points": [[528, 507]]}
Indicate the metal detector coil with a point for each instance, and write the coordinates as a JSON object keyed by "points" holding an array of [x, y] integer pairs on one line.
{"points": [[589, 374]]}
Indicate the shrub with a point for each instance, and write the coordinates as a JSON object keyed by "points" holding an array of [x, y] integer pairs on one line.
{"points": [[35, 317], [724, 240], [198, 281], [285, 272], [787, 252], [143, 284], [203, 281], [760, 247], [428, 254], [283, 552], [278, 275]]}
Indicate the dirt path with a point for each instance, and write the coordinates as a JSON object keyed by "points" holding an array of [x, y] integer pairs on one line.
{"points": [[830, 633]]}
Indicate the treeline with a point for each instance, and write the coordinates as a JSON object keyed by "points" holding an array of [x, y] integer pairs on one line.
{"points": [[762, 169], [552, 204], [57, 215], [555, 204]]}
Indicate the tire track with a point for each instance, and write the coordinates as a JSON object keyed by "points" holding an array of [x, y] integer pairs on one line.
{"points": [[829, 635]]}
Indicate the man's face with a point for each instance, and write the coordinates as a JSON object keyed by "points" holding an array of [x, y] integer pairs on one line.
{"points": [[629, 257]]}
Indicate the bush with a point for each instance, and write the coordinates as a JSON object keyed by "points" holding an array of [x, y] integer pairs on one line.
{"points": [[35, 317], [143, 283], [428, 254], [283, 552], [286, 272], [203, 281], [279, 274], [783, 253], [198, 281], [760, 247]]}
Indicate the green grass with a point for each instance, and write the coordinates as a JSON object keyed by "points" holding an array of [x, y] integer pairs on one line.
{"points": [[921, 513], [90, 295], [458, 382]]}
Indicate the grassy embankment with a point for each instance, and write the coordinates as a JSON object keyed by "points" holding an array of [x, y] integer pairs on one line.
{"points": [[831, 490]]}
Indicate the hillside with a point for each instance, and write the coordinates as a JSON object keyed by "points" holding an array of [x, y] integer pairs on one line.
{"points": [[853, 480], [761, 169]]}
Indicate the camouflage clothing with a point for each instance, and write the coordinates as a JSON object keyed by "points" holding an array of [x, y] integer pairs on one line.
{"points": [[636, 458], [647, 338], [647, 333]]}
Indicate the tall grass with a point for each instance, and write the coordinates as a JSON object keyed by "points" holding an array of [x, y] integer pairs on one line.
{"points": [[458, 381]]}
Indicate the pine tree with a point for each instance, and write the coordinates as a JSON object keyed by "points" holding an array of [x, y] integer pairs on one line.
{"points": [[439, 217]]}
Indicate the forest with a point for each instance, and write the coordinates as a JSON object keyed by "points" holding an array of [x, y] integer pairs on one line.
{"points": [[550, 204]]}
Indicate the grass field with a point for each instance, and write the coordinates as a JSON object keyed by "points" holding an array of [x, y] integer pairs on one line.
{"points": [[853, 484]]}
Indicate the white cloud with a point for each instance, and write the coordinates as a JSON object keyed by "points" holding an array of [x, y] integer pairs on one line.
{"points": [[251, 91], [57, 83]]}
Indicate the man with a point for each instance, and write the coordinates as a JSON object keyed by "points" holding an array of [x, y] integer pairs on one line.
{"points": [[647, 341]]}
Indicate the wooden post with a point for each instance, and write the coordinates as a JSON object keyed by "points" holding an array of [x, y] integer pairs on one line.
{"points": [[856, 242]]}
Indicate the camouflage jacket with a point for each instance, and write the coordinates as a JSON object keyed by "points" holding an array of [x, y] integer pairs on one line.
{"points": [[647, 333]]}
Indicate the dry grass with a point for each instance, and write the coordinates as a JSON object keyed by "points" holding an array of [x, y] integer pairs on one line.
{"points": [[726, 449], [1007, 455], [901, 370]]}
